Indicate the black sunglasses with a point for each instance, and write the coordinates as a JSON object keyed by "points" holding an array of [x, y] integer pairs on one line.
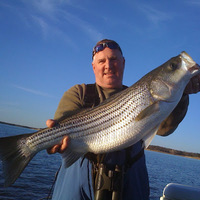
{"points": [[102, 46]]}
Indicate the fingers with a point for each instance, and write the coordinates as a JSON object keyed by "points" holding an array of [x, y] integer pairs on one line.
{"points": [[64, 145], [50, 123], [193, 86], [53, 149], [196, 84], [59, 148]]}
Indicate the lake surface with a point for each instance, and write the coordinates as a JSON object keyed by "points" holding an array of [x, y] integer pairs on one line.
{"points": [[36, 180]]}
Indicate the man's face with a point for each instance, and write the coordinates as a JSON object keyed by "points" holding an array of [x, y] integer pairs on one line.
{"points": [[108, 67]]}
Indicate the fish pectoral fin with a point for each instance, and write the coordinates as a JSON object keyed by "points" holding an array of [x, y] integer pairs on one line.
{"points": [[71, 157], [147, 139], [148, 111]]}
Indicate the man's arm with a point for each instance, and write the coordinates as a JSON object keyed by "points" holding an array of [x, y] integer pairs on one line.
{"points": [[169, 125], [71, 101]]}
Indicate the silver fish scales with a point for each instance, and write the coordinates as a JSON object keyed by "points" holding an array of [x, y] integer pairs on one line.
{"points": [[120, 121], [95, 126]]}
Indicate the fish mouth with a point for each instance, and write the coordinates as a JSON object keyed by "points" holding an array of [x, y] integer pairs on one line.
{"points": [[194, 69]]}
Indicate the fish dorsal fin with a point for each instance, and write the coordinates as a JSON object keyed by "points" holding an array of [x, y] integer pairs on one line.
{"points": [[71, 157], [153, 108]]}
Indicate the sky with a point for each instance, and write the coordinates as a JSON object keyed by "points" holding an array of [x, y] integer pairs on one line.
{"points": [[46, 48]]}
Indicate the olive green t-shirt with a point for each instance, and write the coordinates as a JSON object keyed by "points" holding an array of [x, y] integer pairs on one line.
{"points": [[73, 99]]}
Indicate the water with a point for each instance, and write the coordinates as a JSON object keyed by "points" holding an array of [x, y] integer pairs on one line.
{"points": [[36, 180], [164, 169]]}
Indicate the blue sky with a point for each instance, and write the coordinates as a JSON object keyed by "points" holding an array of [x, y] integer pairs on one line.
{"points": [[46, 48]]}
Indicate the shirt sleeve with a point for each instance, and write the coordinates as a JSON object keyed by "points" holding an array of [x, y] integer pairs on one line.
{"points": [[169, 125], [71, 101]]}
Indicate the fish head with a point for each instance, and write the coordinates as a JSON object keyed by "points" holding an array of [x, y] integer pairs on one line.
{"points": [[170, 79]]}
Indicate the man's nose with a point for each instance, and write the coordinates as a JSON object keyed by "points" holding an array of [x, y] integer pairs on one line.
{"points": [[109, 64]]}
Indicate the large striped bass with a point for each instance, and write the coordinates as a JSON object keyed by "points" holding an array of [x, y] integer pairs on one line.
{"points": [[122, 120]]}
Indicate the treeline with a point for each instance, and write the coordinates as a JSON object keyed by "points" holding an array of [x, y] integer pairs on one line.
{"points": [[173, 151]]}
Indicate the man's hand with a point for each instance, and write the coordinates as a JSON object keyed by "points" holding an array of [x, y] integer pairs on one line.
{"points": [[193, 86], [60, 148]]}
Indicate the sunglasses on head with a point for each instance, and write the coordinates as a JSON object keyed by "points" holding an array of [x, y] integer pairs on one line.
{"points": [[102, 46]]}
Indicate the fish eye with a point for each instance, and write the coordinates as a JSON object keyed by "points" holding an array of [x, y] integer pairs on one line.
{"points": [[174, 66]]}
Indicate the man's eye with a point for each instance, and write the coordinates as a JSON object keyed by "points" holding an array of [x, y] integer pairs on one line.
{"points": [[101, 61], [113, 59]]}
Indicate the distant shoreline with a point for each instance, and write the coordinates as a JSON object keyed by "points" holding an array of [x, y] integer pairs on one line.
{"points": [[174, 152], [18, 125], [151, 147]]}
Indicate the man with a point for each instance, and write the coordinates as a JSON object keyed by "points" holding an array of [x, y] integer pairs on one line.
{"points": [[89, 177]]}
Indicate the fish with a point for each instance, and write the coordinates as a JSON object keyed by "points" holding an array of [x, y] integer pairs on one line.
{"points": [[120, 121]]}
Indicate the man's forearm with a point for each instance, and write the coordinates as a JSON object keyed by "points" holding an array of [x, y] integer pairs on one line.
{"points": [[169, 125]]}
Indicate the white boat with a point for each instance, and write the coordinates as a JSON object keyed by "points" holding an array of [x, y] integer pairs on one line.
{"points": [[174, 191]]}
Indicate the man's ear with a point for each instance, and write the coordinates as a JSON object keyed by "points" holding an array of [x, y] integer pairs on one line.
{"points": [[93, 66], [124, 62]]}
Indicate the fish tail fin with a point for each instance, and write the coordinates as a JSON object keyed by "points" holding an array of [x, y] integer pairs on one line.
{"points": [[15, 156]]}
